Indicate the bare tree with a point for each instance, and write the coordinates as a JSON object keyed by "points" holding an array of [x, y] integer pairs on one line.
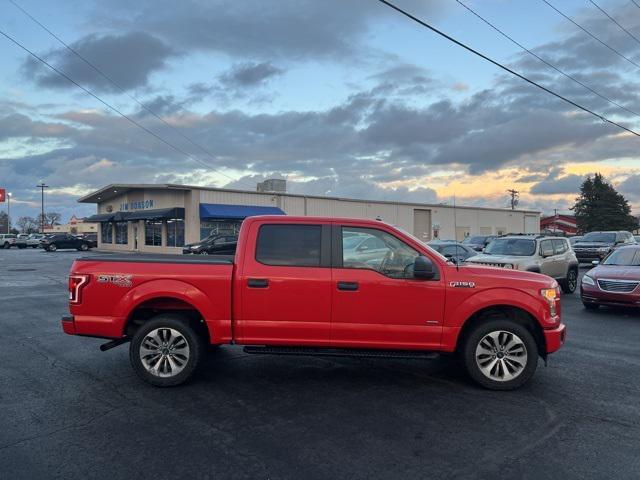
{"points": [[52, 218], [27, 224]]}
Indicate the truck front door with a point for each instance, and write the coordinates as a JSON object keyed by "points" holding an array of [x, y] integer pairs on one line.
{"points": [[376, 300], [285, 285]]}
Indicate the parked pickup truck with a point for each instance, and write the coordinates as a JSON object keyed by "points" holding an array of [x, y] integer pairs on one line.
{"points": [[295, 287]]}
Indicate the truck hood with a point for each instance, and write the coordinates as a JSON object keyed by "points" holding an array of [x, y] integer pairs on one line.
{"points": [[504, 277], [591, 244]]}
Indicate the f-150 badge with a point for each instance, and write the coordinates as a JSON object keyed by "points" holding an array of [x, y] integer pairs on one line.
{"points": [[462, 284], [119, 280]]}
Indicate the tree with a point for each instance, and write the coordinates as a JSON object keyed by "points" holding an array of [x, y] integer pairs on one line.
{"points": [[52, 218], [27, 224], [601, 207]]}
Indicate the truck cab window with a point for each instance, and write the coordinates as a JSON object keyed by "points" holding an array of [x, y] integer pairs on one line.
{"points": [[289, 245], [373, 249]]}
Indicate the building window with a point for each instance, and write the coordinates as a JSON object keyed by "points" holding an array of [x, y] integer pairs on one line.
{"points": [[122, 237], [175, 232], [289, 245], [106, 232], [219, 227], [153, 232]]}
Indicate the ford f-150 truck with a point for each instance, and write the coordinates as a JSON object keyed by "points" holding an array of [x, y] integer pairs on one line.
{"points": [[312, 286]]}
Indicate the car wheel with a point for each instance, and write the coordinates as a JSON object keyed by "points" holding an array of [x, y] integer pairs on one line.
{"points": [[500, 355], [570, 283], [204, 252], [7, 245], [591, 306], [84, 247], [53, 247], [165, 351]]}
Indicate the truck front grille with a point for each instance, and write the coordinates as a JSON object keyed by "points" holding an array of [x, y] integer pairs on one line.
{"points": [[617, 286]]}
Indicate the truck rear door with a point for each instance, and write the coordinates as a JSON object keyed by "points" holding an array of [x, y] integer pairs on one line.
{"points": [[284, 285]]}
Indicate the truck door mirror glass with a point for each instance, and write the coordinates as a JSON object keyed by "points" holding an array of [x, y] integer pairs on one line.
{"points": [[423, 268]]}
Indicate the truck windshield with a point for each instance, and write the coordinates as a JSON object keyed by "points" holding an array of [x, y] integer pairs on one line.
{"points": [[599, 237], [629, 257], [520, 247]]}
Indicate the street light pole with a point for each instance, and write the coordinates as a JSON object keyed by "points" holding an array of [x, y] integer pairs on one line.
{"points": [[9, 212], [42, 186]]}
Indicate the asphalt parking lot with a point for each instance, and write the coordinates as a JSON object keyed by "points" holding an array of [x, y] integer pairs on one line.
{"points": [[68, 410]]}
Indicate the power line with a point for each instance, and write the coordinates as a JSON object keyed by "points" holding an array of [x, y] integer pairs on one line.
{"points": [[549, 64], [503, 67], [592, 35], [614, 21], [635, 3], [119, 87]]}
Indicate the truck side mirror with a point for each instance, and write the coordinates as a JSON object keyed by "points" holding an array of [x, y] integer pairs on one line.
{"points": [[423, 268]]}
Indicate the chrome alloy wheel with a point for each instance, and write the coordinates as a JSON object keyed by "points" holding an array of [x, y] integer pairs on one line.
{"points": [[501, 356], [164, 352]]}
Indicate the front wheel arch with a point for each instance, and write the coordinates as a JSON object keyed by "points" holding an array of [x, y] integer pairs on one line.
{"points": [[507, 312]]}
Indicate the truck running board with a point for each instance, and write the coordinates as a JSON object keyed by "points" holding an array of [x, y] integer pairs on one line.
{"points": [[340, 352]]}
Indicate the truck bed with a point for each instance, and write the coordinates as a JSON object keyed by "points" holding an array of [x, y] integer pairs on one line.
{"points": [[160, 258]]}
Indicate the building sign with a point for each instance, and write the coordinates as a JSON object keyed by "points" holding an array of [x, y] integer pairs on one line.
{"points": [[3, 195], [141, 205]]}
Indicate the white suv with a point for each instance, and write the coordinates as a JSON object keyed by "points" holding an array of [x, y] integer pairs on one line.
{"points": [[7, 240], [550, 256]]}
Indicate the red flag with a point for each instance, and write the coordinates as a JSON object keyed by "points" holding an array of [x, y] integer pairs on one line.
{"points": [[3, 195]]}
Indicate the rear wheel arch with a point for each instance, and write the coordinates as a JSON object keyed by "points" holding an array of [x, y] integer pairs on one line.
{"points": [[150, 308], [503, 312]]}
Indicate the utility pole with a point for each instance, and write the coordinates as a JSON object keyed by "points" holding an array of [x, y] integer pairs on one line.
{"points": [[42, 186], [514, 197], [9, 212]]}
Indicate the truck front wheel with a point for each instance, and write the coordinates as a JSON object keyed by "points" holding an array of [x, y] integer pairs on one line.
{"points": [[500, 355], [165, 350]]}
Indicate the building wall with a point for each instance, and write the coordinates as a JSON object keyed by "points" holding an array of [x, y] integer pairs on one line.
{"points": [[445, 222]]}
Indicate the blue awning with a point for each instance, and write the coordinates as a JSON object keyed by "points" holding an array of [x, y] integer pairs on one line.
{"points": [[218, 210]]}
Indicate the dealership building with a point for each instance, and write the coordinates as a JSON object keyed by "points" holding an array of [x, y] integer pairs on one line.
{"points": [[162, 218]]}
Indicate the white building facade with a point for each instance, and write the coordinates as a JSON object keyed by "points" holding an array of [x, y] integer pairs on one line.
{"points": [[162, 218]]}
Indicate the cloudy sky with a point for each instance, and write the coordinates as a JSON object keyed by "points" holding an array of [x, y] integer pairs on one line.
{"points": [[341, 97]]}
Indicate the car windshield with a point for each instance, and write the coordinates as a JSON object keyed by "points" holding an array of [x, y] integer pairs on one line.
{"points": [[599, 237], [521, 247], [629, 257], [475, 240]]}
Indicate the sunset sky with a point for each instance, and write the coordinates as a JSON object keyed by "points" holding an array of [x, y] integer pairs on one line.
{"points": [[341, 97]]}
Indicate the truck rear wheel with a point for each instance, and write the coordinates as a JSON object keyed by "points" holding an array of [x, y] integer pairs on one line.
{"points": [[500, 355], [165, 351]]}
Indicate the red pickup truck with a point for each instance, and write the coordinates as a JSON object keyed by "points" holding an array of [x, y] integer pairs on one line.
{"points": [[317, 286]]}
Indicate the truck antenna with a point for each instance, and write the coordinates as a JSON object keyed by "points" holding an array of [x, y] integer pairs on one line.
{"points": [[455, 233]]}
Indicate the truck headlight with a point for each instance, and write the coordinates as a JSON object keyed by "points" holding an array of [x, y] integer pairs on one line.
{"points": [[587, 280], [195, 247], [552, 296], [603, 249], [508, 265]]}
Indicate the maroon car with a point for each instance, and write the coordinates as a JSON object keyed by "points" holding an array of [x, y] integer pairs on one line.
{"points": [[615, 281]]}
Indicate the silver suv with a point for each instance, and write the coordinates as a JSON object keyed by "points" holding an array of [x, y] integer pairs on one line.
{"points": [[550, 256]]}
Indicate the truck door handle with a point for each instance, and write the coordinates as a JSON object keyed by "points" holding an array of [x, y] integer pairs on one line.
{"points": [[348, 286], [257, 283]]}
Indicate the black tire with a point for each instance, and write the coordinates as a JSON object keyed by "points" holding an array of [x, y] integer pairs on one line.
{"points": [[591, 306], [52, 248], [506, 327], [7, 245], [83, 247], [570, 283], [166, 321]]}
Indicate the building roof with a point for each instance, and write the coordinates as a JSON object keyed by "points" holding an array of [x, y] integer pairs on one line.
{"points": [[113, 190]]}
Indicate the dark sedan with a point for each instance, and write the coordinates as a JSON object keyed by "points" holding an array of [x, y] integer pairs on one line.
{"points": [[57, 241], [213, 245], [615, 281], [455, 251], [478, 242]]}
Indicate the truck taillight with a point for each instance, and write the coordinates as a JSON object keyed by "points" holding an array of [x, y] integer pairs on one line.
{"points": [[76, 284]]}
